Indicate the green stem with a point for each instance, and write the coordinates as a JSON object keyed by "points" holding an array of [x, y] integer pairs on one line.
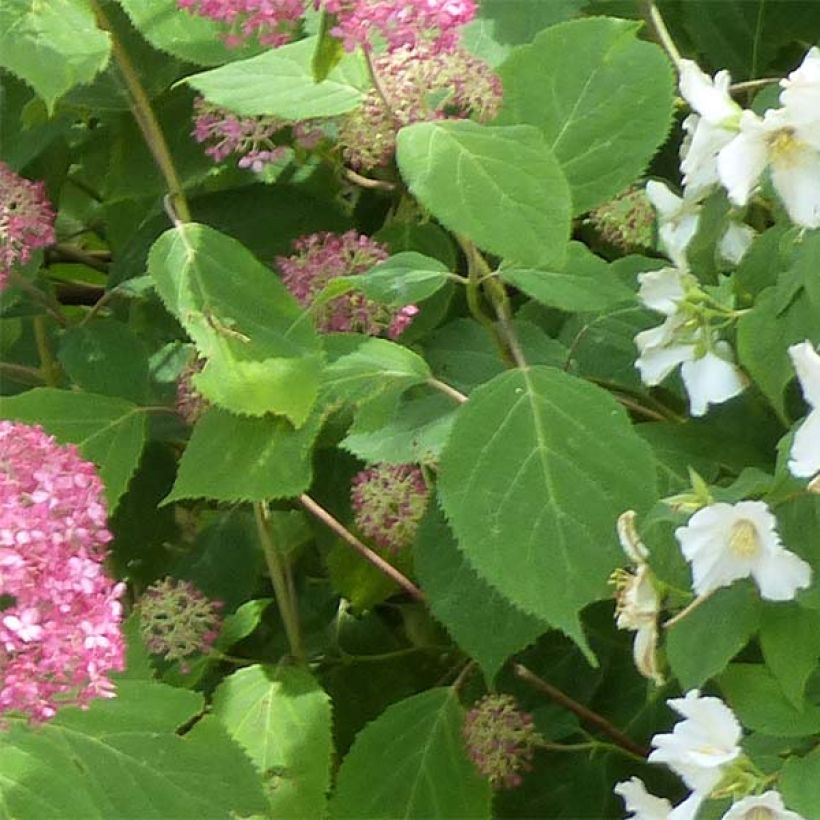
{"points": [[146, 119], [22, 374], [445, 388], [284, 600], [662, 32], [49, 369]]}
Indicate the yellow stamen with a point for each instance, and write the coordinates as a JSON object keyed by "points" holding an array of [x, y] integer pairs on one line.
{"points": [[744, 540]]}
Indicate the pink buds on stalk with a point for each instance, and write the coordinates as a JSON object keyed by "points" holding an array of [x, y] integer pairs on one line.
{"points": [[60, 634], [26, 220]]}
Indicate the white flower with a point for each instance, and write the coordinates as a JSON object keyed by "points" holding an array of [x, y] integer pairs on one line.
{"points": [[678, 218], [644, 806], [801, 96], [708, 130], [736, 241], [805, 452], [700, 746], [768, 805], [726, 542], [773, 141], [712, 378], [662, 290]]}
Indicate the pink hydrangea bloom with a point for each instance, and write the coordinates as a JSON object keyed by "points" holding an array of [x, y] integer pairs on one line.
{"points": [[419, 84], [400, 22], [272, 22], [26, 220], [388, 503], [60, 636], [321, 257]]}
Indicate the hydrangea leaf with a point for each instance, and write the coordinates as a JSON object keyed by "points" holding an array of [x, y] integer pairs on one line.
{"points": [[108, 431], [411, 763], [188, 36], [280, 82], [263, 354], [538, 468], [403, 279], [124, 758], [596, 92], [232, 458], [500, 187], [800, 783], [282, 718], [484, 623], [52, 45]]}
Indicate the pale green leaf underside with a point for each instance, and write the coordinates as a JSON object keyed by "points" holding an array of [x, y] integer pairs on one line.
{"points": [[500, 187], [428, 776], [52, 44], [282, 718], [108, 431], [538, 468], [280, 83]]}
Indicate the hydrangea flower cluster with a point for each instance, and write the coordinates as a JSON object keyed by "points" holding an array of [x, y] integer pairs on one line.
{"points": [[60, 636], [500, 740], [177, 620], [626, 222], [703, 749], [400, 22], [191, 404], [272, 22], [322, 257], [26, 220], [389, 501], [419, 84]]}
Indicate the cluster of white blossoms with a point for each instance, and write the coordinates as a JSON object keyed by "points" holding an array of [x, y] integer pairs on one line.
{"points": [[804, 461], [703, 749]]}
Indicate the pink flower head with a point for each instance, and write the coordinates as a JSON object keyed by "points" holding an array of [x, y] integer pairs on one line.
{"points": [[420, 84], [388, 503], [191, 404], [177, 620], [60, 637], [500, 740], [400, 22], [272, 22], [321, 257], [227, 133], [26, 220]]}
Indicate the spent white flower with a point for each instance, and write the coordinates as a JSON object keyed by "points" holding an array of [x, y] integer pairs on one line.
{"points": [[805, 453], [678, 219], [644, 806], [801, 96], [726, 542], [766, 806], [702, 745], [773, 141]]}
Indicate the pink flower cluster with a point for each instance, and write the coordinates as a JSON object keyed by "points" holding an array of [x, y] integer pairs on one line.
{"points": [[388, 503], [26, 220], [321, 257], [500, 740], [60, 634], [419, 84], [273, 22], [400, 22]]}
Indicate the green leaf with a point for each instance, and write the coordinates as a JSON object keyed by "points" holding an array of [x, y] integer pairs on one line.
{"points": [[800, 784], [329, 49], [596, 92], [790, 640], [231, 458], [501, 187], [106, 357], [760, 705], [280, 83], [52, 45], [263, 355], [403, 279], [584, 283], [108, 431], [374, 367], [411, 763], [242, 623], [189, 36], [483, 623], [538, 468], [282, 718], [696, 651], [123, 758]]}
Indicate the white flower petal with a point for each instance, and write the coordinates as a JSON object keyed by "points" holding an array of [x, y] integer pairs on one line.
{"points": [[630, 541], [689, 808], [699, 153], [801, 98], [806, 363], [711, 379], [662, 290], [663, 200], [741, 162], [796, 178], [769, 805], [736, 241], [710, 98], [639, 803], [804, 461], [780, 574]]}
